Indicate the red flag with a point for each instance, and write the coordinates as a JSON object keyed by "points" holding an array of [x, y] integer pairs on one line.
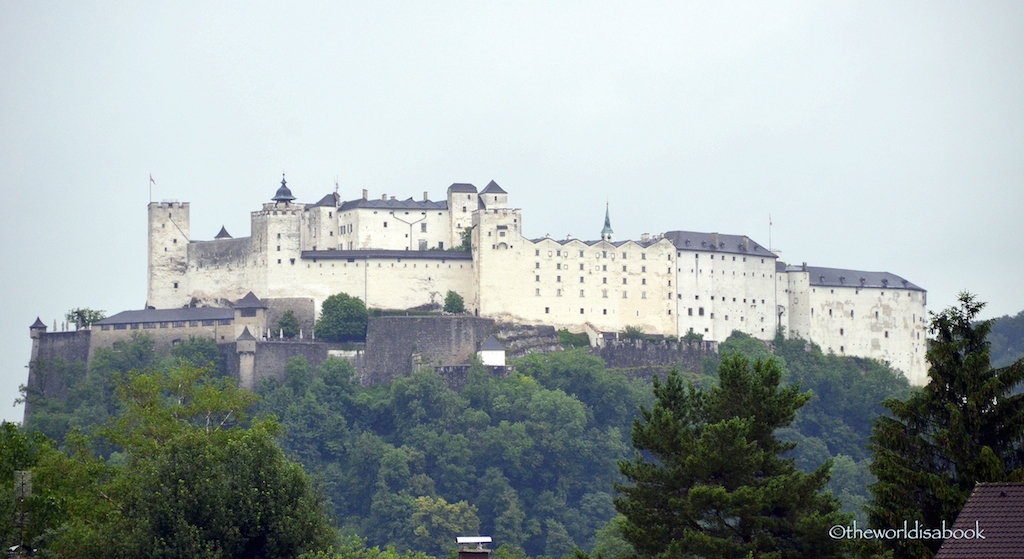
{"points": [[151, 179]]}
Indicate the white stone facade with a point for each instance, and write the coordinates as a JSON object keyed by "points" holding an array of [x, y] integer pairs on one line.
{"points": [[395, 254]]}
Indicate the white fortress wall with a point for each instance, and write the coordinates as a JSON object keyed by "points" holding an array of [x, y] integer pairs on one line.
{"points": [[386, 252], [567, 284], [724, 283], [382, 279]]}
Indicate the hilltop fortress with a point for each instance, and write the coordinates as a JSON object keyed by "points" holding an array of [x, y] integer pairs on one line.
{"points": [[397, 254]]}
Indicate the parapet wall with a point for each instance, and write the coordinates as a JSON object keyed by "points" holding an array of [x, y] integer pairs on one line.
{"points": [[645, 358], [392, 341], [69, 346], [272, 356]]}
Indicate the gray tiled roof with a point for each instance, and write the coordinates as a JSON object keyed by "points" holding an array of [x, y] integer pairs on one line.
{"points": [[592, 243], [996, 508], [732, 244], [491, 344], [382, 253], [250, 301], [493, 188], [407, 204], [836, 277], [169, 315], [462, 187], [245, 336], [223, 233], [330, 201]]}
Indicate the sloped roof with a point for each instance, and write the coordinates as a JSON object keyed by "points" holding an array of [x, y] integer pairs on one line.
{"points": [[223, 233], [493, 188], [616, 244], [837, 277], [407, 204], [462, 187], [732, 244], [246, 336], [491, 344], [329, 201], [996, 508], [250, 301], [38, 324], [385, 253], [169, 315]]}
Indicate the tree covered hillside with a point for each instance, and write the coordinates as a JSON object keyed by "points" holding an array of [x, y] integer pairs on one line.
{"points": [[530, 459], [1007, 338]]}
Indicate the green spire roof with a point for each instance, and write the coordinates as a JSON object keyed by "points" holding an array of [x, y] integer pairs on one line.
{"points": [[607, 222]]}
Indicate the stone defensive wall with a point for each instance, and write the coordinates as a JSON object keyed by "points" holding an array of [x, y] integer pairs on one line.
{"points": [[397, 344], [272, 356], [644, 358]]}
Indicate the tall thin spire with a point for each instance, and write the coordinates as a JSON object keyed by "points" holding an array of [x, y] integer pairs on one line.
{"points": [[606, 233]]}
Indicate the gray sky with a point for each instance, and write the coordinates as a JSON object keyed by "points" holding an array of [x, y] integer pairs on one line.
{"points": [[880, 136]]}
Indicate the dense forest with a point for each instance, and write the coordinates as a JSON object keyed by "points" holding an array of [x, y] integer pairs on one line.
{"points": [[1007, 340], [530, 459]]}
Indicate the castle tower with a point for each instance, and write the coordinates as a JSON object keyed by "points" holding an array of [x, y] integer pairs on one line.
{"points": [[606, 233], [168, 255], [277, 239], [245, 347], [462, 202], [36, 332], [493, 196]]}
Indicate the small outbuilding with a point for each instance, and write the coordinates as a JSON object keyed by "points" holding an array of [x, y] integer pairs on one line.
{"points": [[492, 353]]}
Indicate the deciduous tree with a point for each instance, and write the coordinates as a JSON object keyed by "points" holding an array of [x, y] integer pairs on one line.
{"points": [[454, 303], [342, 319]]}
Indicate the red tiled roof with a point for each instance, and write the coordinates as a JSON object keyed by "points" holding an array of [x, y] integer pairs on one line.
{"points": [[998, 510]]}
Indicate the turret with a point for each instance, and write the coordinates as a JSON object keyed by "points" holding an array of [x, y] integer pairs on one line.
{"points": [[36, 332], [493, 196], [284, 194], [606, 233]]}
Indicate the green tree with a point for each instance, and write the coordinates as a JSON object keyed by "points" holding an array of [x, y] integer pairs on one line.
{"points": [[717, 485], [454, 303], [193, 483], [437, 523], [342, 319], [633, 333], [200, 351], [288, 324], [964, 427], [83, 318]]}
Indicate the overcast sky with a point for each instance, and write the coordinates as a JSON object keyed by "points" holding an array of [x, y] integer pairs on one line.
{"points": [[879, 136]]}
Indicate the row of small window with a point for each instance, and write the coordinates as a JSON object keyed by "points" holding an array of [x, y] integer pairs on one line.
{"points": [[700, 312], [851, 314], [172, 324], [604, 293], [604, 254], [547, 310], [842, 332], [643, 281], [723, 257], [604, 267], [697, 298]]}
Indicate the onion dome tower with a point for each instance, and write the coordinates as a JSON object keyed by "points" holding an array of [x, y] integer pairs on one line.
{"points": [[284, 194]]}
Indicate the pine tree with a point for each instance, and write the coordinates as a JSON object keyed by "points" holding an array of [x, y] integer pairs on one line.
{"points": [[964, 427], [711, 481]]}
